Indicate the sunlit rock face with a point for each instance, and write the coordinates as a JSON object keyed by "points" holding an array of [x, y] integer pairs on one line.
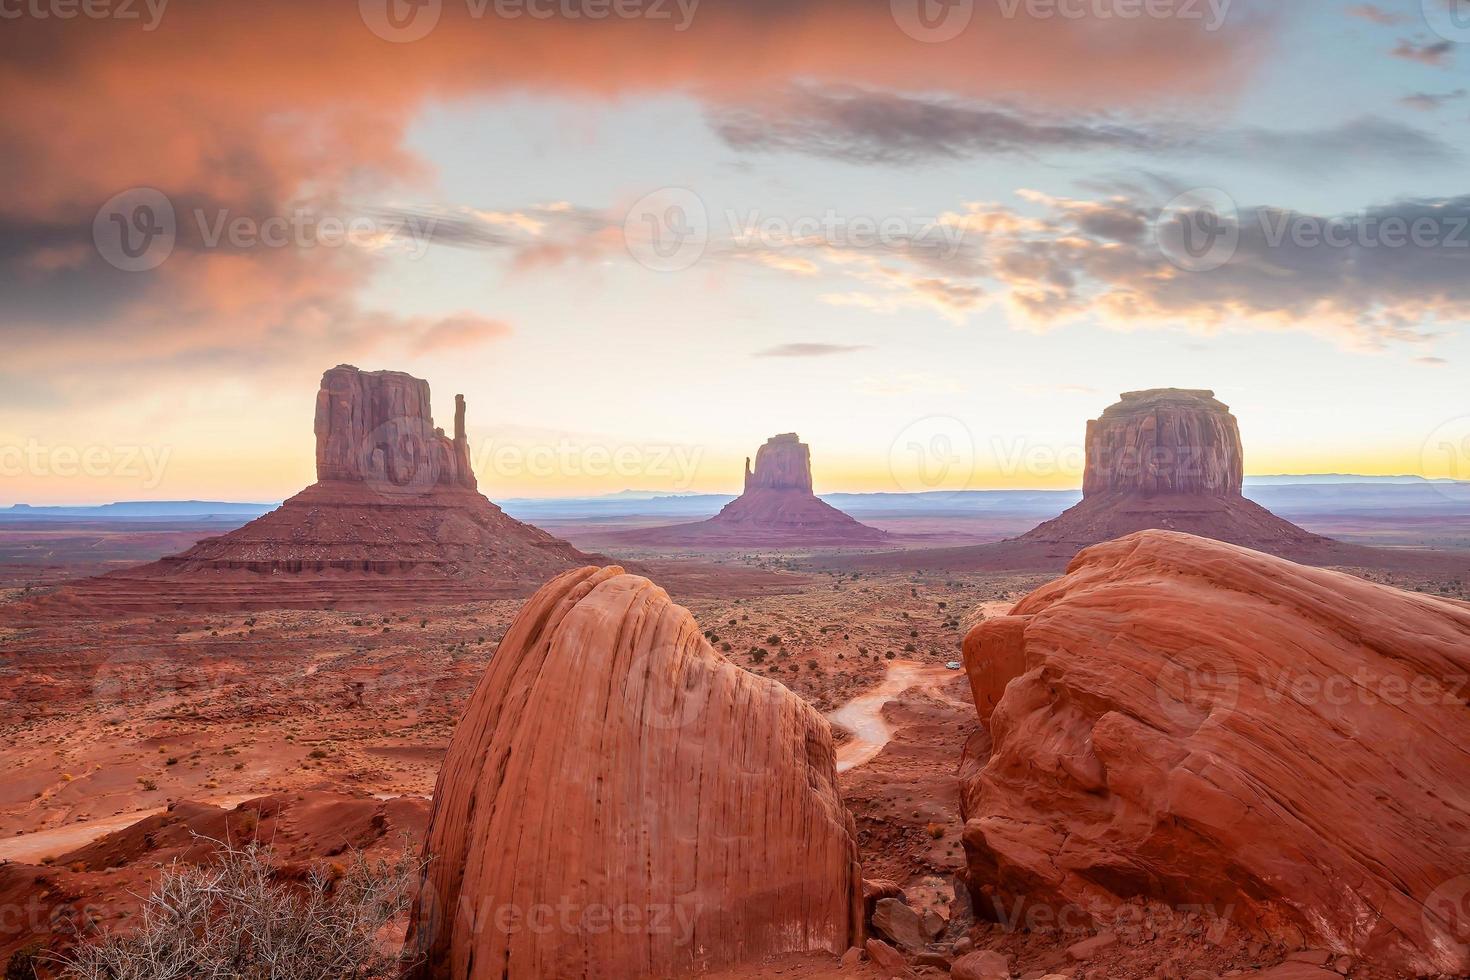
{"points": [[662, 811]]}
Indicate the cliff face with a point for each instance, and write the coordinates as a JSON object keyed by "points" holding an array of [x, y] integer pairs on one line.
{"points": [[377, 428], [1168, 458], [1165, 441], [613, 769], [1205, 725], [783, 463], [394, 517]]}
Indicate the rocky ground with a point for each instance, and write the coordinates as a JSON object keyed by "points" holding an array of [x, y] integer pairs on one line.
{"points": [[156, 717]]}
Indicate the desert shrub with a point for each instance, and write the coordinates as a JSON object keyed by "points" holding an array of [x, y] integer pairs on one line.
{"points": [[24, 963], [235, 919]]}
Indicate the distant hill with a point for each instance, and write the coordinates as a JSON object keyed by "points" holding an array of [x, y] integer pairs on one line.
{"points": [[1290, 494], [136, 510]]}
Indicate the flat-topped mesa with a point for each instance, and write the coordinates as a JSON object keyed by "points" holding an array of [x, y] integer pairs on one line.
{"points": [[1165, 441], [378, 427], [783, 463]]}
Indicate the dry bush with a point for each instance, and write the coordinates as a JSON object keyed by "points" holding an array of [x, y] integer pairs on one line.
{"points": [[235, 919]]}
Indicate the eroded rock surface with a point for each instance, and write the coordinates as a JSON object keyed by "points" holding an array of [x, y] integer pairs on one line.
{"points": [[671, 811], [1286, 747]]}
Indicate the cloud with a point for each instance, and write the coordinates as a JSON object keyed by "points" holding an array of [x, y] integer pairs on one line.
{"points": [[1375, 15], [1436, 53], [1389, 274], [810, 350], [1427, 101], [458, 332], [867, 127]]}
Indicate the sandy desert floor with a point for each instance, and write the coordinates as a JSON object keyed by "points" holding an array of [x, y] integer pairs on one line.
{"points": [[105, 722]]}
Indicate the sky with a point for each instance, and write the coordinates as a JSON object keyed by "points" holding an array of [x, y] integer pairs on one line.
{"points": [[933, 237]]}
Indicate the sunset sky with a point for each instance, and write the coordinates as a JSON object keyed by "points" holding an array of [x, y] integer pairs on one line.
{"points": [[900, 241]]}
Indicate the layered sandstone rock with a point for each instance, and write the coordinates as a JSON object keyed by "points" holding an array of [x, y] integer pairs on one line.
{"points": [[394, 517], [777, 508], [1186, 720], [376, 427], [1169, 458], [621, 801], [1165, 441]]}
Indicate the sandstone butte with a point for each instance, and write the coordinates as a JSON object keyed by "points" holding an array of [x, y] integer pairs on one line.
{"points": [[1168, 458], [394, 517], [1193, 721], [619, 800], [777, 507]]}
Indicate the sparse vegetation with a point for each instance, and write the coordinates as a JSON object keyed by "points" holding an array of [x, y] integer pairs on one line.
{"points": [[235, 919]]}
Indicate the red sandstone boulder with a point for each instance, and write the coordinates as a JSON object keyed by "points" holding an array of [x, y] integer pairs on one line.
{"points": [[1283, 746], [621, 801]]}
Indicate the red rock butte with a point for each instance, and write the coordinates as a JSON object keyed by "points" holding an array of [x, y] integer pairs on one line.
{"points": [[1168, 458], [664, 811], [1198, 723], [394, 517], [777, 508]]}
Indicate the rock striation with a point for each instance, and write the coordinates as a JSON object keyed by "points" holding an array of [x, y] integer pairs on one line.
{"points": [[394, 517], [1194, 722], [1168, 458], [621, 801], [777, 508]]}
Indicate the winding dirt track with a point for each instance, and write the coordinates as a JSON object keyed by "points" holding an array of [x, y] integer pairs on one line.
{"points": [[863, 715]]}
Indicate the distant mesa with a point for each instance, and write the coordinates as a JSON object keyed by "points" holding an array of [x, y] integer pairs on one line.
{"points": [[777, 508], [613, 767], [1168, 458], [394, 516]]}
